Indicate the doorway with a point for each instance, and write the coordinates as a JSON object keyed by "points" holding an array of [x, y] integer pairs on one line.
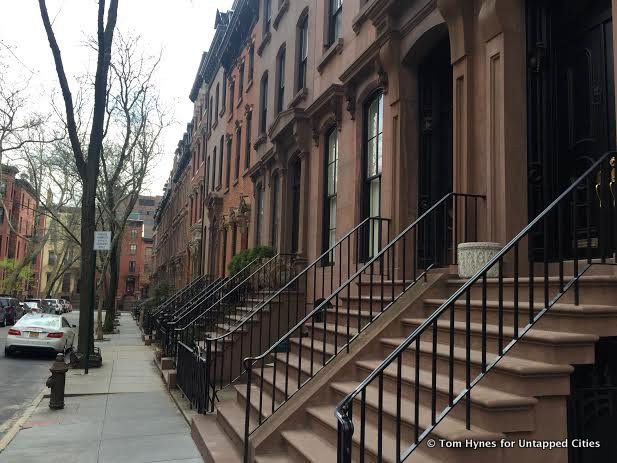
{"points": [[435, 151], [571, 112]]}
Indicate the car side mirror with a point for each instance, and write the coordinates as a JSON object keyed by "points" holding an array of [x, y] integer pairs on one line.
{"points": [[74, 326]]}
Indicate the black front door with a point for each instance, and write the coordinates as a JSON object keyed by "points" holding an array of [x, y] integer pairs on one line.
{"points": [[570, 112], [435, 153]]}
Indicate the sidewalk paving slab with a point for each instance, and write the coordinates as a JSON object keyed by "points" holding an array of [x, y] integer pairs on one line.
{"points": [[119, 413]]}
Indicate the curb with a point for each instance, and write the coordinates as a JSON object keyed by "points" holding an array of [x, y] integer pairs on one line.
{"points": [[17, 426]]}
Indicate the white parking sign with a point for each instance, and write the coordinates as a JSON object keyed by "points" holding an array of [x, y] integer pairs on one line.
{"points": [[102, 240]]}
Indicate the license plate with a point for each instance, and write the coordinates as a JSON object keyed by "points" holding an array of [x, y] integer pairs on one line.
{"points": [[34, 335]]}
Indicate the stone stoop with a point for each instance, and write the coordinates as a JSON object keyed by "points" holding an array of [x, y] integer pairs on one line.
{"points": [[167, 369], [220, 434], [523, 396]]}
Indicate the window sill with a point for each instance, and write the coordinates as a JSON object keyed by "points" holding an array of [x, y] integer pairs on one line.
{"points": [[231, 116], [239, 103], [236, 181], [279, 16], [335, 48], [222, 111], [226, 190], [246, 172], [219, 187], [264, 41], [300, 96], [249, 84], [214, 124]]}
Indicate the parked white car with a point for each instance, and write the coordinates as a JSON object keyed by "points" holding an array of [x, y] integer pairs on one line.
{"points": [[56, 305], [40, 332]]}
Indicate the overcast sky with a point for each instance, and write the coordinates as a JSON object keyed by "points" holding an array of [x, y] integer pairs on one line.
{"points": [[183, 28]]}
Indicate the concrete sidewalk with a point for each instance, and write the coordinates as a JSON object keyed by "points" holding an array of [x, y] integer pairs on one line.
{"points": [[118, 413]]}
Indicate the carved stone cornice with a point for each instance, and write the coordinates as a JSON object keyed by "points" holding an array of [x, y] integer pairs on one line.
{"points": [[328, 107]]}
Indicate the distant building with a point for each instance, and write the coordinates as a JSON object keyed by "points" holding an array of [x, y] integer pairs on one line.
{"points": [[144, 210], [135, 263]]}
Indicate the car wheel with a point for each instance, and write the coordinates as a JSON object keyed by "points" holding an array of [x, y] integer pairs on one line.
{"points": [[7, 352]]}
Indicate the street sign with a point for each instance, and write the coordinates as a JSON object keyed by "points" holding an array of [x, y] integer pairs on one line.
{"points": [[102, 240]]}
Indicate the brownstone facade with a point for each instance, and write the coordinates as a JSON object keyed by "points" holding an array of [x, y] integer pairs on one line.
{"points": [[401, 102]]}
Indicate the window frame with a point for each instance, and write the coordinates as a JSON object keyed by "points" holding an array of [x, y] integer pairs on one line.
{"points": [[302, 60], [280, 79], [330, 197], [263, 103], [335, 21], [228, 163]]}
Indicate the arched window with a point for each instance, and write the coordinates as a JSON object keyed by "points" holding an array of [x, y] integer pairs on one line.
{"points": [[373, 147], [302, 53], [330, 190], [263, 101]]}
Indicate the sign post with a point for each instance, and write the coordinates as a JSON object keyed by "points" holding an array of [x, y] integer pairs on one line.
{"points": [[102, 242]]}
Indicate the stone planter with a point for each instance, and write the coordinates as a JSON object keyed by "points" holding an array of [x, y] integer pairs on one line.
{"points": [[473, 256]]}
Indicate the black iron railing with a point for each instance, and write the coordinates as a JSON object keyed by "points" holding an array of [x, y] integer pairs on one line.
{"points": [[574, 231], [259, 328], [191, 374], [152, 316], [352, 305], [190, 309], [242, 292], [180, 295]]}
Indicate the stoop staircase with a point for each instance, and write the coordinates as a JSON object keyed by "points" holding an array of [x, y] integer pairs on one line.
{"points": [[317, 339], [382, 367]]}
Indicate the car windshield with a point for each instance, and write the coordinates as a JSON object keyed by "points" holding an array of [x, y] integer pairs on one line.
{"points": [[31, 303], [4, 302], [39, 322]]}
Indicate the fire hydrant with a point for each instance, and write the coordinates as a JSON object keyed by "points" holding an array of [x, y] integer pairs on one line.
{"points": [[56, 383]]}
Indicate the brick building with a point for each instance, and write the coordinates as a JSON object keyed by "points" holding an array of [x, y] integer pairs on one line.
{"points": [[17, 225]]}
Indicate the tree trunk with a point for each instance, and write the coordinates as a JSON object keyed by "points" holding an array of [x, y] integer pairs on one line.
{"points": [[112, 289]]}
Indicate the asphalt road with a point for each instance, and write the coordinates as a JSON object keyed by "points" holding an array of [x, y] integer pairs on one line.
{"points": [[22, 378]]}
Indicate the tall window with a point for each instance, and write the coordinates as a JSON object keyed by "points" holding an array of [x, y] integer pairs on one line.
{"points": [[221, 151], [251, 62], [232, 95], [276, 181], [331, 178], [132, 266], [210, 109], [208, 169], [373, 163], [247, 154], [302, 53], [216, 105], [234, 238], [241, 81], [335, 18], [263, 104], [132, 249], [238, 151], [224, 90], [224, 250], [280, 90], [214, 169], [267, 16], [228, 164], [259, 200]]}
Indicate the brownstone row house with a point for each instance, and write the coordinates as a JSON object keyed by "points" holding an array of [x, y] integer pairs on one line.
{"points": [[313, 116]]}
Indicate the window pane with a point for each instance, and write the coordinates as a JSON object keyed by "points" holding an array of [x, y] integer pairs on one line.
{"points": [[332, 214], [373, 118], [371, 157], [379, 152], [374, 199]]}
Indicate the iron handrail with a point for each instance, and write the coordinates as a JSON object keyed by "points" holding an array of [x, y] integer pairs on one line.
{"points": [[299, 275], [345, 423], [179, 294], [379, 257]]}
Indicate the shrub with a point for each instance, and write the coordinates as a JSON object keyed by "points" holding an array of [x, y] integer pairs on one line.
{"points": [[242, 259]]}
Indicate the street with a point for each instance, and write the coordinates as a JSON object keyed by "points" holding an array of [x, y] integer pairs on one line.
{"points": [[21, 378]]}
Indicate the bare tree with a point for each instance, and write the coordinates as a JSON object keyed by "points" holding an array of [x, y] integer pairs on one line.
{"points": [[137, 120], [87, 161]]}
